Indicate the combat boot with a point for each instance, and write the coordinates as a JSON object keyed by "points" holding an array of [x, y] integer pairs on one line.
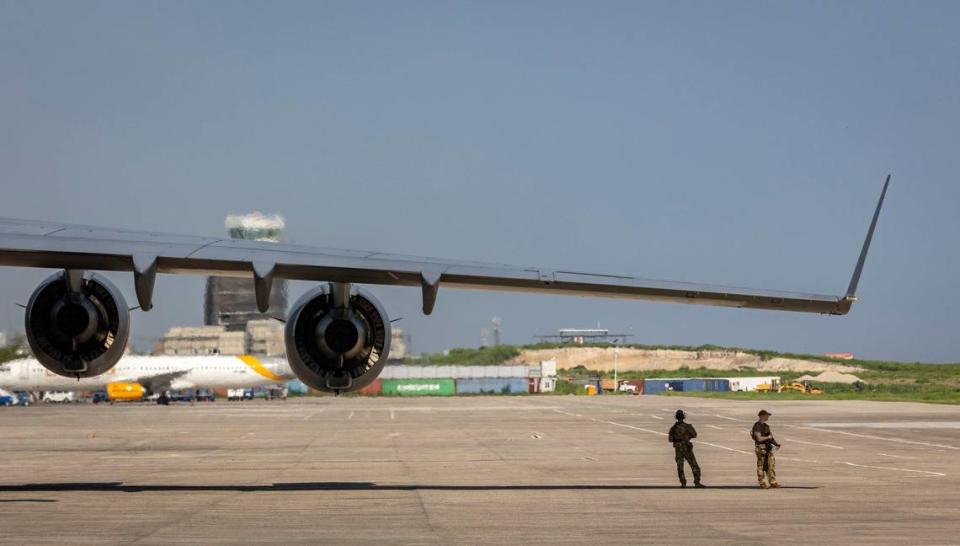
{"points": [[764, 486], [699, 485], [775, 485]]}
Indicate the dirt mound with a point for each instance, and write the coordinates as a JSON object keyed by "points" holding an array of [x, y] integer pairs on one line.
{"points": [[602, 359], [831, 377]]}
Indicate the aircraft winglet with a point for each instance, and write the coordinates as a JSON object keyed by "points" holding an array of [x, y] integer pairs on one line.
{"points": [[855, 279]]}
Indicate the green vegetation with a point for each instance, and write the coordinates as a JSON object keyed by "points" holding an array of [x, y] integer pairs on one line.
{"points": [[482, 356], [883, 380], [566, 387], [8, 353]]}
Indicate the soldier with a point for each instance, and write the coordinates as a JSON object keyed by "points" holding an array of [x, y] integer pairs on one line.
{"points": [[764, 446], [680, 435]]}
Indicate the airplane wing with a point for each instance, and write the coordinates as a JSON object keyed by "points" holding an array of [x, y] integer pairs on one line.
{"points": [[159, 382], [28, 243]]}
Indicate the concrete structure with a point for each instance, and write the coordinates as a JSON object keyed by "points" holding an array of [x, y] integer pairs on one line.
{"points": [[230, 302], [261, 338], [579, 336], [398, 344], [477, 470]]}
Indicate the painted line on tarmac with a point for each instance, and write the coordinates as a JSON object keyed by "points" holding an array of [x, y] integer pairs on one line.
{"points": [[393, 415], [656, 417], [318, 412], [715, 426], [351, 415], [927, 472], [895, 456], [722, 447], [641, 429], [727, 418], [814, 443], [633, 427], [883, 438], [890, 424], [794, 459]]}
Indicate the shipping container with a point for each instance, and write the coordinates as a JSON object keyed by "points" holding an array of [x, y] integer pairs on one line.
{"points": [[373, 389], [418, 387], [402, 371], [608, 384], [657, 386], [516, 385], [717, 385], [747, 384]]}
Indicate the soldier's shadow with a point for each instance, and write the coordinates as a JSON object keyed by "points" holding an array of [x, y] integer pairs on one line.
{"points": [[349, 486]]}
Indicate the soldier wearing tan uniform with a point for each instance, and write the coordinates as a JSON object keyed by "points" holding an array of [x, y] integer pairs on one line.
{"points": [[764, 446]]}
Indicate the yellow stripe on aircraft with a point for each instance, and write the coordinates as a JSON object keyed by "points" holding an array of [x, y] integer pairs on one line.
{"points": [[256, 366]]}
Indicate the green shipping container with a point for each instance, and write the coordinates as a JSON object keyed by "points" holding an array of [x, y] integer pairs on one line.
{"points": [[418, 387]]}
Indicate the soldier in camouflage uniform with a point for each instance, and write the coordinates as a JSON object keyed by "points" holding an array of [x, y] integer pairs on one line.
{"points": [[764, 446], [680, 435]]}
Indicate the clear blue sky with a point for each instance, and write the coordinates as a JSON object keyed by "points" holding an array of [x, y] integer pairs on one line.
{"points": [[739, 143]]}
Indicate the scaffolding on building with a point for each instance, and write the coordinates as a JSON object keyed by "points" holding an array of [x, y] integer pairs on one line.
{"points": [[230, 302]]}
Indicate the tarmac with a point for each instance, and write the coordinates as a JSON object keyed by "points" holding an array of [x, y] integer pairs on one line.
{"points": [[471, 470]]}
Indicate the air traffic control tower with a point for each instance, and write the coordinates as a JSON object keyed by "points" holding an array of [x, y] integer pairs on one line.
{"points": [[230, 302]]}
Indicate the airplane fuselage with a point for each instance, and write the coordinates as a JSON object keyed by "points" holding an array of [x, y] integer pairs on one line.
{"points": [[174, 372]]}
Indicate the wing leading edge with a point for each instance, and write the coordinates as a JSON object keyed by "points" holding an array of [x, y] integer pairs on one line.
{"points": [[27, 243]]}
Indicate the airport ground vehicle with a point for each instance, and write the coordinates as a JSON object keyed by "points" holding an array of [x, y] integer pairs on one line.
{"points": [[191, 395], [804, 387], [59, 397], [769, 387], [631, 387], [338, 334]]}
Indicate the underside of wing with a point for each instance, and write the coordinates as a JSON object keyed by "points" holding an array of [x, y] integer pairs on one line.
{"points": [[50, 245]]}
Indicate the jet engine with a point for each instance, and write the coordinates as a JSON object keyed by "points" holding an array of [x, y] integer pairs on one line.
{"points": [[338, 338], [77, 324]]}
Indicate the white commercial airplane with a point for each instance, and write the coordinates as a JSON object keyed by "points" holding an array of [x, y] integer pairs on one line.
{"points": [[338, 334], [133, 376]]}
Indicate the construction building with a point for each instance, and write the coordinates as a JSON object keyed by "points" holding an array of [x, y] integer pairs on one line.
{"points": [[232, 323], [580, 336], [229, 301]]}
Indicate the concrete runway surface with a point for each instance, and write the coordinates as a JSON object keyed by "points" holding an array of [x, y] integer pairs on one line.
{"points": [[532, 470]]}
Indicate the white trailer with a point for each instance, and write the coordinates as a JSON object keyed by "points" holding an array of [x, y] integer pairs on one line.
{"points": [[747, 384]]}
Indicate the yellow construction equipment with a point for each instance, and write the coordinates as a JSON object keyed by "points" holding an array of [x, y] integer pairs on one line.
{"points": [[768, 387], [804, 387]]}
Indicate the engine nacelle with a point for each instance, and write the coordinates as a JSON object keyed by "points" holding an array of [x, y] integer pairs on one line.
{"points": [[78, 331], [337, 342]]}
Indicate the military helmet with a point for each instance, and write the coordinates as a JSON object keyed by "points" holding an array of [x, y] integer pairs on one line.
{"points": [[680, 415]]}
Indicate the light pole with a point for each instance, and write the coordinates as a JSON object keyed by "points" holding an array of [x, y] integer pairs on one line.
{"points": [[616, 357]]}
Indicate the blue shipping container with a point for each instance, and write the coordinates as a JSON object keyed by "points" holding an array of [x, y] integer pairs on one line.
{"points": [[492, 385], [657, 386], [717, 385]]}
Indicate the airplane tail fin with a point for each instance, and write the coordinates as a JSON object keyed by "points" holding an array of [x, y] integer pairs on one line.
{"points": [[855, 279]]}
